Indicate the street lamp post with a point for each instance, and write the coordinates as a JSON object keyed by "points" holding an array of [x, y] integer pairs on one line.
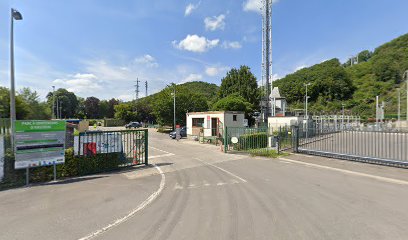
{"points": [[15, 15], [53, 102], [306, 114], [174, 107]]}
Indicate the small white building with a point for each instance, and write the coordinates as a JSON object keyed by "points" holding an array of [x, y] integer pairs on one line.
{"points": [[211, 122], [279, 102], [276, 122]]}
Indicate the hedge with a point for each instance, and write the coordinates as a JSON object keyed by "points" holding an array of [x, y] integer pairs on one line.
{"points": [[253, 141], [74, 166]]}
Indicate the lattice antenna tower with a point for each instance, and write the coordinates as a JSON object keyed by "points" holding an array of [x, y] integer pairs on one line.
{"points": [[137, 89], [267, 56]]}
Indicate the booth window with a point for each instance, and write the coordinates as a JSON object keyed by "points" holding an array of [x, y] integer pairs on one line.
{"points": [[234, 118], [198, 122]]}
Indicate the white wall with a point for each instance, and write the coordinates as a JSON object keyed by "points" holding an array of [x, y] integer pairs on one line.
{"points": [[276, 122], [224, 118]]}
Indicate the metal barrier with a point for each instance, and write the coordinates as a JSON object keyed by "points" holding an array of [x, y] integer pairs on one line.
{"points": [[252, 140], [5, 126], [132, 144], [380, 147]]}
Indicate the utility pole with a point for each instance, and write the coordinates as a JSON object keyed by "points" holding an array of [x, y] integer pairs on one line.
{"points": [[174, 106], [376, 112], [406, 76], [136, 93], [306, 98], [53, 102], [267, 55], [146, 88], [15, 15], [342, 117], [399, 108], [57, 109]]}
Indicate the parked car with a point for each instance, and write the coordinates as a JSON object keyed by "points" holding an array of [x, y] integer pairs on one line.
{"points": [[133, 125], [183, 133]]}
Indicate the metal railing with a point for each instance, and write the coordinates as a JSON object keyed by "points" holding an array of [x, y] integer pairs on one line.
{"points": [[382, 147], [132, 144]]}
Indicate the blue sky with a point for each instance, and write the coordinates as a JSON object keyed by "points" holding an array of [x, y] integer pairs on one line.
{"points": [[100, 47]]}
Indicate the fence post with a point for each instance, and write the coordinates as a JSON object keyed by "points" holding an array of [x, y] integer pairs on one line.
{"points": [[225, 139], [279, 139], [146, 147]]}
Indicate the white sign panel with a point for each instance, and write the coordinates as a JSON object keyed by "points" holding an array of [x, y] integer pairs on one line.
{"points": [[91, 144]]}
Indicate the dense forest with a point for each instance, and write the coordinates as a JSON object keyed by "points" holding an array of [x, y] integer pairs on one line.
{"points": [[355, 83]]}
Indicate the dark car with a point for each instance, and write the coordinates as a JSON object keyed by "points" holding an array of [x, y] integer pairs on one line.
{"points": [[133, 125], [183, 133]]}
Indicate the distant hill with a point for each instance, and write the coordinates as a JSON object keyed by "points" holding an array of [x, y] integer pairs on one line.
{"points": [[356, 86], [209, 90]]}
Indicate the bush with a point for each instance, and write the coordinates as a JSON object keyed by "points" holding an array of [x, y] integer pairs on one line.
{"points": [[74, 166], [114, 123], [253, 141]]}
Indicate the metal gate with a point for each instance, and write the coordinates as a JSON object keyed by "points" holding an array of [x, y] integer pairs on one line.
{"points": [[380, 147], [132, 144]]}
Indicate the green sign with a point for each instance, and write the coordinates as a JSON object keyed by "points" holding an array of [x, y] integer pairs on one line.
{"points": [[39, 143]]}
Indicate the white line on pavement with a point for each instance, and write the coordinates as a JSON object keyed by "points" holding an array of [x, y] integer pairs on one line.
{"points": [[149, 200], [163, 155], [228, 172], [384, 179], [160, 150]]}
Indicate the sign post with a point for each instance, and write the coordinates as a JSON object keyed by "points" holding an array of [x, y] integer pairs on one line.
{"points": [[39, 143]]}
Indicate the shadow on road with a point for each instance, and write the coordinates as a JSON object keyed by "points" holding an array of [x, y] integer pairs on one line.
{"points": [[73, 180]]}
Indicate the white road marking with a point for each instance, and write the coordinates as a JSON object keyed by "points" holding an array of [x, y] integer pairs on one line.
{"points": [[304, 155], [221, 183], [228, 172], [285, 162], [149, 200], [384, 179], [163, 155], [160, 150], [205, 183], [177, 186]]}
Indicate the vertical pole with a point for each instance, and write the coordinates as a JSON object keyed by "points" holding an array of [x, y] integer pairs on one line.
{"points": [[406, 76], [12, 84], [53, 102], [174, 108], [376, 112], [342, 117], [55, 171], [27, 176], [146, 147], [57, 109], [225, 139], [399, 108]]}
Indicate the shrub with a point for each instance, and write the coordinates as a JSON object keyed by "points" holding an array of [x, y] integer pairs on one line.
{"points": [[74, 166], [253, 141]]}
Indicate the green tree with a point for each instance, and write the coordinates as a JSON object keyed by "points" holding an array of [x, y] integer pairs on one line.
{"points": [[92, 107], [186, 101], [111, 108], [125, 111], [67, 100], [233, 103], [36, 110], [22, 109], [242, 82]]}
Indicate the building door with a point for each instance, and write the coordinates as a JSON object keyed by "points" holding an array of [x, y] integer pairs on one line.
{"points": [[214, 126]]}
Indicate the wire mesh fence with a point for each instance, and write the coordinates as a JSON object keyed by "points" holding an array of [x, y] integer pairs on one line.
{"points": [[133, 144]]}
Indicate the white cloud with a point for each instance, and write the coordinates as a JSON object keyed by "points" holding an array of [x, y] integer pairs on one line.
{"points": [[126, 97], [215, 23], [147, 60], [192, 77], [254, 5], [190, 8], [80, 83], [215, 71], [233, 45], [194, 43]]}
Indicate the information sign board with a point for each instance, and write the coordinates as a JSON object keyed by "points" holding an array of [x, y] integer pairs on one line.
{"points": [[39, 143]]}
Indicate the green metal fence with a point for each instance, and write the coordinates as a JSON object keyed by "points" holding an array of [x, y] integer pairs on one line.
{"points": [[132, 144], [259, 141]]}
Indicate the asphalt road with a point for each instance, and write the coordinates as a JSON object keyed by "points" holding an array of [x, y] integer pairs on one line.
{"points": [[205, 194]]}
